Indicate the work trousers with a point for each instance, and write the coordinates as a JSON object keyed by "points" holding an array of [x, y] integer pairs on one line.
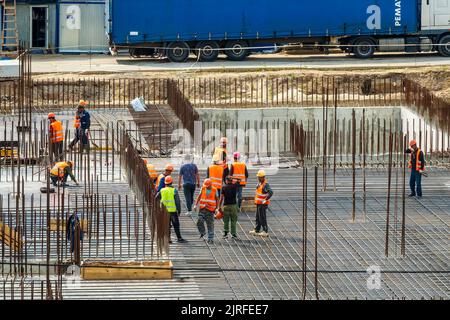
{"points": [[56, 151], [415, 183], [189, 191], [55, 179], [239, 196], [230, 214], [206, 216], [80, 136], [175, 222], [261, 220]]}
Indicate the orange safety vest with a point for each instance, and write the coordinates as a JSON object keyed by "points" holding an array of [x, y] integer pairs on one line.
{"points": [[239, 172], [208, 201], [418, 162], [77, 122], [259, 195], [59, 169], [151, 171], [56, 132], [216, 176]]}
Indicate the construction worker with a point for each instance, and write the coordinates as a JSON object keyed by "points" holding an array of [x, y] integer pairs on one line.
{"points": [[160, 182], [191, 179], [209, 204], [239, 171], [230, 208], [61, 171], [221, 152], [82, 124], [417, 166], [170, 198], [56, 137], [74, 234], [151, 172], [217, 174], [262, 200]]}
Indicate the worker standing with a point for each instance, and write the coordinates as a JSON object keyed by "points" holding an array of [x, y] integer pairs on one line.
{"points": [[209, 203], [417, 166], [191, 179], [56, 137], [221, 152], [160, 181], [82, 124], [60, 172], [74, 235], [216, 173], [262, 200], [151, 172], [230, 208], [170, 198], [239, 171]]}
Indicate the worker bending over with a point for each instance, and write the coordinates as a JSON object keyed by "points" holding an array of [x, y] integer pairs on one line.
{"points": [[60, 172], [221, 152], [262, 200], [170, 198], [239, 171], [56, 137], [417, 166], [209, 204]]}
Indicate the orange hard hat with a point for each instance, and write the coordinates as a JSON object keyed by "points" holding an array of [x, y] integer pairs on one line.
{"points": [[169, 167], [207, 183], [168, 180], [83, 103], [412, 143], [219, 215], [51, 115]]}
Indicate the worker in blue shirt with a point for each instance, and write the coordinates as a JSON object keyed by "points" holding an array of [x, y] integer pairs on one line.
{"points": [[82, 124]]}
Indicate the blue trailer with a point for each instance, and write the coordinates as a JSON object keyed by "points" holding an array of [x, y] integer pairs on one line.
{"points": [[176, 28]]}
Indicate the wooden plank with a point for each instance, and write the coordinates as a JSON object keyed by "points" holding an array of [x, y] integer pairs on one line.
{"points": [[129, 270], [10, 238]]}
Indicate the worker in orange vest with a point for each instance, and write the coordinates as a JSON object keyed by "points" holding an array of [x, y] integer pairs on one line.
{"points": [[81, 124], [61, 171], [239, 171], [151, 172], [209, 204], [56, 137], [262, 200], [217, 174], [160, 182], [221, 152], [417, 166]]}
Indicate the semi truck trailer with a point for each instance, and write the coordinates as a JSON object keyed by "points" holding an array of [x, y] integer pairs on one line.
{"points": [[177, 28]]}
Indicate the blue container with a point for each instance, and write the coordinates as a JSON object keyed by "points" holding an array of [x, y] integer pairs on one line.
{"points": [[158, 21]]}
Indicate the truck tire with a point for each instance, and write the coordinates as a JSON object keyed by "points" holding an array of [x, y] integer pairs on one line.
{"points": [[236, 51], [207, 50], [365, 48], [444, 48], [177, 51]]}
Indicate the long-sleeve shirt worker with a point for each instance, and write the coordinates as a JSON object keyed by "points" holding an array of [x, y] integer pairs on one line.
{"points": [[414, 160], [177, 199]]}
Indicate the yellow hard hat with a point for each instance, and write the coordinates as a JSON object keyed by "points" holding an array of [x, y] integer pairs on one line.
{"points": [[261, 174], [216, 158]]}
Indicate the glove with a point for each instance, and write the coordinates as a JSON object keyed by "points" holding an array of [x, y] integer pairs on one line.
{"points": [[194, 208], [264, 202]]}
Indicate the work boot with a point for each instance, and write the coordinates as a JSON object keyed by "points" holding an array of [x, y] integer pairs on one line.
{"points": [[210, 241], [225, 235], [411, 195], [202, 235], [188, 213], [181, 240], [253, 232], [263, 234], [234, 237]]}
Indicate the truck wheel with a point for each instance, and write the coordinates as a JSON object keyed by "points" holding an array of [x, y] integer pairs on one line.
{"points": [[236, 51], [178, 51], [444, 48], [207, 50], [365, 48]]}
